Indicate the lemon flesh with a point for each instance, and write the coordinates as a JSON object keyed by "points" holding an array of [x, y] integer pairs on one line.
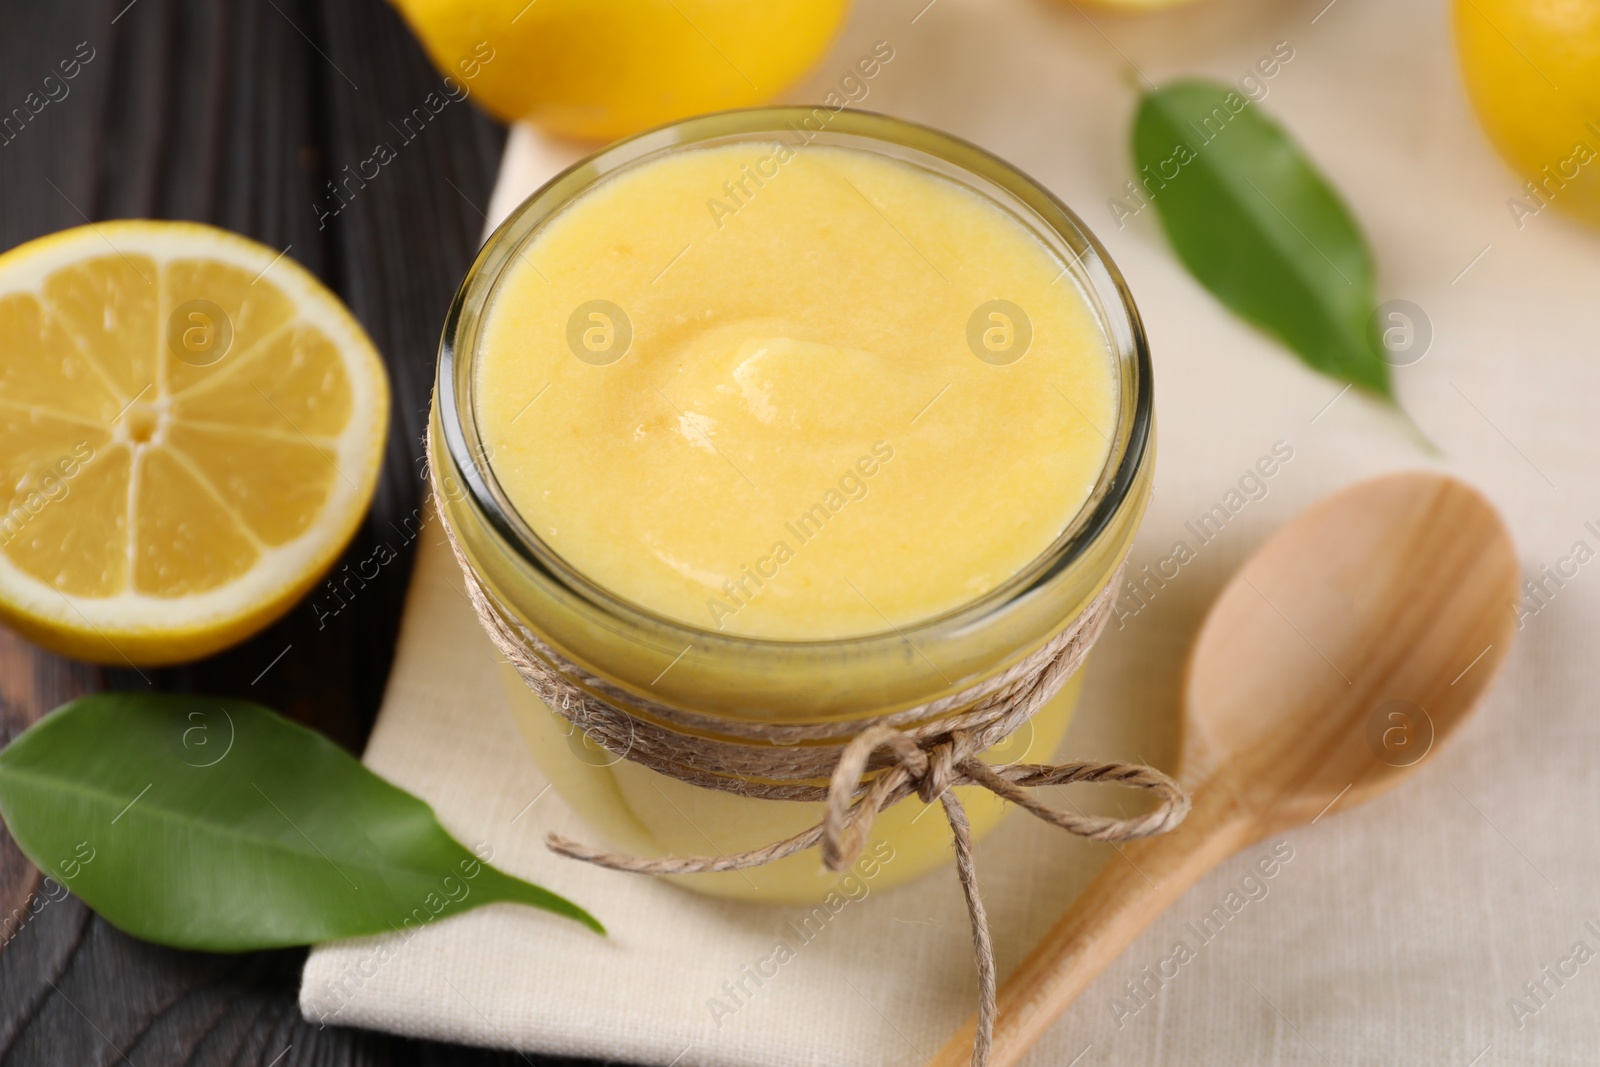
{"points": [[602, 69], [190, 431]]}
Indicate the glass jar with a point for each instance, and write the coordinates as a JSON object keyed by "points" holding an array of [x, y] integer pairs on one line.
{"points": [[639, 811]]}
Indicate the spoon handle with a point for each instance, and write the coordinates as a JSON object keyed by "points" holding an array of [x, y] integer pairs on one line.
{"points": [[1131, 890]]}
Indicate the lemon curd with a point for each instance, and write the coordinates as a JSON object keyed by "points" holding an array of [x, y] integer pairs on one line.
{"points": [[798, 442], [818, 426]]}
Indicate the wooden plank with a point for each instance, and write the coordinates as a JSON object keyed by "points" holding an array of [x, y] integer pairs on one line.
{"points": [[47, 166], [238, 114]]}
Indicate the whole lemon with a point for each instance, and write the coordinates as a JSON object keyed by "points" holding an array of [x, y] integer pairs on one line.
{"points": [[1532, 69], [603, 69]]}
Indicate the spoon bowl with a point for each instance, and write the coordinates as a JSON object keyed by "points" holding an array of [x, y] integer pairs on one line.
{"points": [[1335, 661], [1348, 647]]}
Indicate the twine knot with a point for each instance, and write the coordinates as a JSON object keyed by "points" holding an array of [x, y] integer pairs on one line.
{"points": [[935, 778], [932, 771], [928, 750]]}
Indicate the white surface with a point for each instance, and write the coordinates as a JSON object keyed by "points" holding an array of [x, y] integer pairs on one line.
{"points": [[1397, 933]]}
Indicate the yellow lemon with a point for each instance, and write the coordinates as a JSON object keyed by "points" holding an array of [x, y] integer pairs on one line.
{"points": [[190, 430], [603, 69], [1532, 69]]}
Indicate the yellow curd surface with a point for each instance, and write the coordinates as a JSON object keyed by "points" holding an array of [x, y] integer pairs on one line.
{"points": [[769, 390], [799, 441]]}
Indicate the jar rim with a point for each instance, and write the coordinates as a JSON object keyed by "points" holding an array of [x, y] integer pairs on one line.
{"points": [[1098, 277]]}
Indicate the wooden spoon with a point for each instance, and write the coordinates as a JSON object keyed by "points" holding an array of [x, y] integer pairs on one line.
{"points": [[1343, 652]]}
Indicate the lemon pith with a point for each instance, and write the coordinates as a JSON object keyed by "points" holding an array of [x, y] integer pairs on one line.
{"points": [[190, 431]]}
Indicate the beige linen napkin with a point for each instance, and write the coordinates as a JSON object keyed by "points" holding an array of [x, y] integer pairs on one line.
{"points": [[1403, 932]]}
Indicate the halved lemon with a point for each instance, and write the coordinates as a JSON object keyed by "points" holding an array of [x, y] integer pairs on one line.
{"points": [[191, 428]]}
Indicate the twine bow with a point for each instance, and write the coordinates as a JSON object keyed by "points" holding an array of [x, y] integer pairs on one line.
{"points": [[931, 773], [869, 766]]}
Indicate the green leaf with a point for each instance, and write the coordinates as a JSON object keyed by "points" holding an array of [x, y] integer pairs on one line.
{"points": [[1258, 225], [220, 825]]}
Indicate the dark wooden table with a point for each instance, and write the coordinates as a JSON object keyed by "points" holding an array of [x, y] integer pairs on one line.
{"points": [[236, 113]]}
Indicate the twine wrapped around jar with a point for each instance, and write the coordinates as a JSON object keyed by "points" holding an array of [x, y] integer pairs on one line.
{"points": [[867, 764]]}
